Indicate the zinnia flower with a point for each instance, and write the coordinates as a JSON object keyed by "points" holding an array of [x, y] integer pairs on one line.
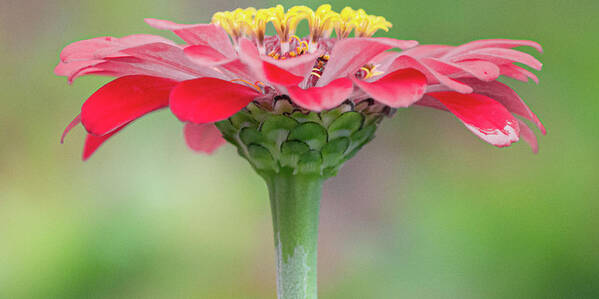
{"points": [[296, 107], [224, 66]]}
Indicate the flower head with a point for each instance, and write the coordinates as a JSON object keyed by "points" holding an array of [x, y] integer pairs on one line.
{"points": [[224, 66]]}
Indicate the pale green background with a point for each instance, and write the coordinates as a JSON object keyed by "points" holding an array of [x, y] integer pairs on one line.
{"points": [[425, 211]]}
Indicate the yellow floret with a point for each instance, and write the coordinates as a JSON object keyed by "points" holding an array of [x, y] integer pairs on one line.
{"points": [[252, 23]]}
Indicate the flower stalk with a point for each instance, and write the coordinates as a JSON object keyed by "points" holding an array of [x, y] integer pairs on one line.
{"points": [[295, 151], [295, 205]]}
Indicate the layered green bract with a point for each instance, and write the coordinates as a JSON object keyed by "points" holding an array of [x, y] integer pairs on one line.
{"points": [[286, 139]]}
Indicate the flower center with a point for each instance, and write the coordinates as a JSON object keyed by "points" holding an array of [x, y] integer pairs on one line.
{"points": [[251, 23]]}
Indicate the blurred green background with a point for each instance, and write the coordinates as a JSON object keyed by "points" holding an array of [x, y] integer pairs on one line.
{"points": [[425, 211]]}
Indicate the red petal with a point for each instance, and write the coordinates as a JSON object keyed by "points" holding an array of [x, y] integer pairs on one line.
{"points": [[320, 98], [207, 100], [92, 142], [507, 97], [124, 100], [482, 115], [428, 101], [70, 126], [205, 138], [350, 54], [277, 75], [398, 89]]}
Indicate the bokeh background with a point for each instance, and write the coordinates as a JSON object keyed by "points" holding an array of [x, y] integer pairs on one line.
{"points": [[425, 211]]}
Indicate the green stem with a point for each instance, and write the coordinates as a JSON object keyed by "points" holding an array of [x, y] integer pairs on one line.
{"points": [[295, 203]]}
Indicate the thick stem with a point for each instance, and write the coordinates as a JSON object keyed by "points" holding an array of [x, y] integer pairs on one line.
{"points": [[295, 203]]}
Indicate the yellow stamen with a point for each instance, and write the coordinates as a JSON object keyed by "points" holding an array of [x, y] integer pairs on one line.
{"points": [[251, 23], [370, 70], [274, 55], [296, 38], [254, 85], [365, 25]]}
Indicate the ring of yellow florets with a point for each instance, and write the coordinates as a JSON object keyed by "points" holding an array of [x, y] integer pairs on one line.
{"points": [[251, 23]]}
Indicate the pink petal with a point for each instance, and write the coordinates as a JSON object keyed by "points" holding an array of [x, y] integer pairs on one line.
{"points": [[119, 67], [70, 126], [158, 60], [398, 89], [384, 60], [321, 98], [131, 41], [93, 142], [506, 96], [236, 69], [170, 57], [85, 49], [208, 100], [422, 51], [529, 136], [403, 62], [71, 69], [249, 55], [350, 54], [300, 65], [500, 56], [167, 25], [100, 47], [482, 115], [204, 138], [123, 100], [81, 58], [518, 73], [479, 69], [205, 55], [198, 34], [492, 43]]}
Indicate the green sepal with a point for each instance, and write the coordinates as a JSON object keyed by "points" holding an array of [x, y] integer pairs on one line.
{"points": [[261, 158], [311, 133], [346, 124], [291, 151], [287, 139]]}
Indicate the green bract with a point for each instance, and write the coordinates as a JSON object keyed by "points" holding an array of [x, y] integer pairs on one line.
{"points": [[286, 138]]}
